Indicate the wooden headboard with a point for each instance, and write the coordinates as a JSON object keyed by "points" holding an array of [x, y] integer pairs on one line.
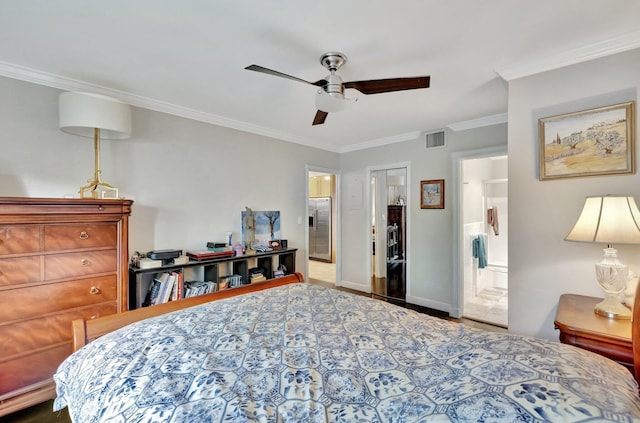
{"points": [[85, 331]]}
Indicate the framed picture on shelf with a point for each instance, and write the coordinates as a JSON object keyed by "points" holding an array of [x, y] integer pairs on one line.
{"points": [[432, 194], [587, 143]]}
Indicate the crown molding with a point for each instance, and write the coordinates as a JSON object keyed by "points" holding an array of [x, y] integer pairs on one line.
{"points": [[478, 123], [378, 142], [619, 44], [39, 77]]}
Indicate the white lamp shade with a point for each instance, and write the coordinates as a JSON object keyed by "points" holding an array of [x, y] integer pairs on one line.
{"points": [[395, 180], [81, 113], [608, 220], [334, 102]]}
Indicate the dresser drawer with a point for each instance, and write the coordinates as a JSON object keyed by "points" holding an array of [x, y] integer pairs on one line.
{"points": [[35, 301], [19, 270], [31, 369], [60, 266], [22, 337], [19, 239], [75, 236]]}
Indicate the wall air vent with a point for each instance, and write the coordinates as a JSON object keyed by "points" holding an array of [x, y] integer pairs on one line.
{"points": [[435, 140]]}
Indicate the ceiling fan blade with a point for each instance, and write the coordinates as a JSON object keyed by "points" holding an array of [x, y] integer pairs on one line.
{"points": [[320, 117], [377, 86], [256, 68]]}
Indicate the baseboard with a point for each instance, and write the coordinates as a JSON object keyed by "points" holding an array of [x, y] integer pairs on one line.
{"points": [[424, 302], [354, 285]]}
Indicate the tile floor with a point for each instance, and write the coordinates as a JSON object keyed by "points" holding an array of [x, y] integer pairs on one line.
{"points": [[321, 271], [490, 306]]}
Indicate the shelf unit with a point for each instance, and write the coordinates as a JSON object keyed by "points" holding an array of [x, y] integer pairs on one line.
{"points": [[211, 270]]}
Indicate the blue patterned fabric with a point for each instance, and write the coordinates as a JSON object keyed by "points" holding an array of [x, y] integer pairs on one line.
{"points": [[303, 353]]}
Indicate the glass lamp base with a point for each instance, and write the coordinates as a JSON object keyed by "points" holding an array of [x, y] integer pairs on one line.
{"points": [[612, 308], [612, 277]]}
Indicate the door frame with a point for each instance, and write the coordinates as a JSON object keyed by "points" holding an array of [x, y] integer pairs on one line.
{"points": [[369, 216], [336, 217], [457, 288]]}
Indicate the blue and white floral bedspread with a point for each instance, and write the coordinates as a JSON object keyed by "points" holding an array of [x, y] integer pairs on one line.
{"points": [[303, 353]]}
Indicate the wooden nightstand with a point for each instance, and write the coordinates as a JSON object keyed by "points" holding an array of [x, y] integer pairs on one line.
{"points": [[580, 326]]}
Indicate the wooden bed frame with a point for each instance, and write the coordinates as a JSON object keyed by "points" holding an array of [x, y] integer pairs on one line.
{"points": [[85, 331]]}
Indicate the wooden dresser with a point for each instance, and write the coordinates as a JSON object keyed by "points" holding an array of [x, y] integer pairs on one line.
{"points": [[60, 260]]}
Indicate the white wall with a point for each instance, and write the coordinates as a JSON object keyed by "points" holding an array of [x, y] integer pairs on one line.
{"points": [[189, 180], [429, 237], [542, 265]]}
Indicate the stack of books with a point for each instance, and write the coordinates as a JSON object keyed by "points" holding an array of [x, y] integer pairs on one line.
{"points": [[256, 274]]}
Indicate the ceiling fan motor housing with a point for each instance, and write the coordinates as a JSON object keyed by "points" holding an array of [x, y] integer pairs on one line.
{"points": [[334, 86]]}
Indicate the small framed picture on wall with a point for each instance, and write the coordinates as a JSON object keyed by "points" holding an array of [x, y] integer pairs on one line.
{"points": [[432, 194]]}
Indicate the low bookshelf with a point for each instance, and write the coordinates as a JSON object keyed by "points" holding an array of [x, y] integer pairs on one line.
{"points": [[214, 270]]}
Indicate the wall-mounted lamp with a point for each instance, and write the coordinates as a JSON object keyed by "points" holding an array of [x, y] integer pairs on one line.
{"points": [[94, 116], [609, 220]]}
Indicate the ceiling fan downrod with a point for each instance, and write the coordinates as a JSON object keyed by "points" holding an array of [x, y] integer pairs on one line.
{"points": [[332, 61]]}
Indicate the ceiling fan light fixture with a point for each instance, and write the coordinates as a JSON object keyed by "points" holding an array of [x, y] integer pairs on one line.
{"points": [[332, 102]]}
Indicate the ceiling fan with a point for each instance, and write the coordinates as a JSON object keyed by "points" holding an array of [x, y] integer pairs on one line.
{"points": [[330, 97]]}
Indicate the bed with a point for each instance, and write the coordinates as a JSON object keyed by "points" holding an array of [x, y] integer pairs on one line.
{"points": [[299, 352]]}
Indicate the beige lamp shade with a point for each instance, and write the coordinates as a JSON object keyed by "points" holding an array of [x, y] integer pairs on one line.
{"points": [[81, 113], [609, 220], [94, 116], [395, 180]]}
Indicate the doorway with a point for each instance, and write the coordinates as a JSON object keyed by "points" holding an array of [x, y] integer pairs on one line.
{"points": [[321, 224], [389, 233], [484, 228]]}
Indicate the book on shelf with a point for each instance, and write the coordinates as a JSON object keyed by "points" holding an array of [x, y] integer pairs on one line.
{"points": [[147, 263], [152, 294], [229, 281], [257, 278], [207, 254], [164, 287], [195, 288]]}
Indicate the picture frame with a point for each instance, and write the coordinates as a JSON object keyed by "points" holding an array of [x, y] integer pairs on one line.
{"points": [[592, 142], [432, 194]]}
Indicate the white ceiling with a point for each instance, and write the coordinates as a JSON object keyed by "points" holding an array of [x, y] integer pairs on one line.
{"points": [[187, 57]]}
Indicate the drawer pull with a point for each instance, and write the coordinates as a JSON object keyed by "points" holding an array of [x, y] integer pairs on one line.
{"points": [[85, 262], [95, 290], [101, 208], [84, 235]]}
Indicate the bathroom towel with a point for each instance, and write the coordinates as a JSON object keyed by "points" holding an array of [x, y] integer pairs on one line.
{"points": [[479, 251], [492, 219]]}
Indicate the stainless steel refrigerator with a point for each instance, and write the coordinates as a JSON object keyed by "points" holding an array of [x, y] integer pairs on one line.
{"points": [[320, 228]]}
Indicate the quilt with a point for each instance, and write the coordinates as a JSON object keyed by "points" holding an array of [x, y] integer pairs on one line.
{"points": [[304, 353]]}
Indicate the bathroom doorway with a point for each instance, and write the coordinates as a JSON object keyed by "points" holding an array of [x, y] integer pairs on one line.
{"points": [[484, 239]]}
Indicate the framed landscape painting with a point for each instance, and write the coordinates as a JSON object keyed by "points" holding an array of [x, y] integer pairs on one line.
{"points": [[432, 194], [587, 143]]}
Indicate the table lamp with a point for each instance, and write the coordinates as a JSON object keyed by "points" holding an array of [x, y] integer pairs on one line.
{"points": [[93, 115], [609, 220]]}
